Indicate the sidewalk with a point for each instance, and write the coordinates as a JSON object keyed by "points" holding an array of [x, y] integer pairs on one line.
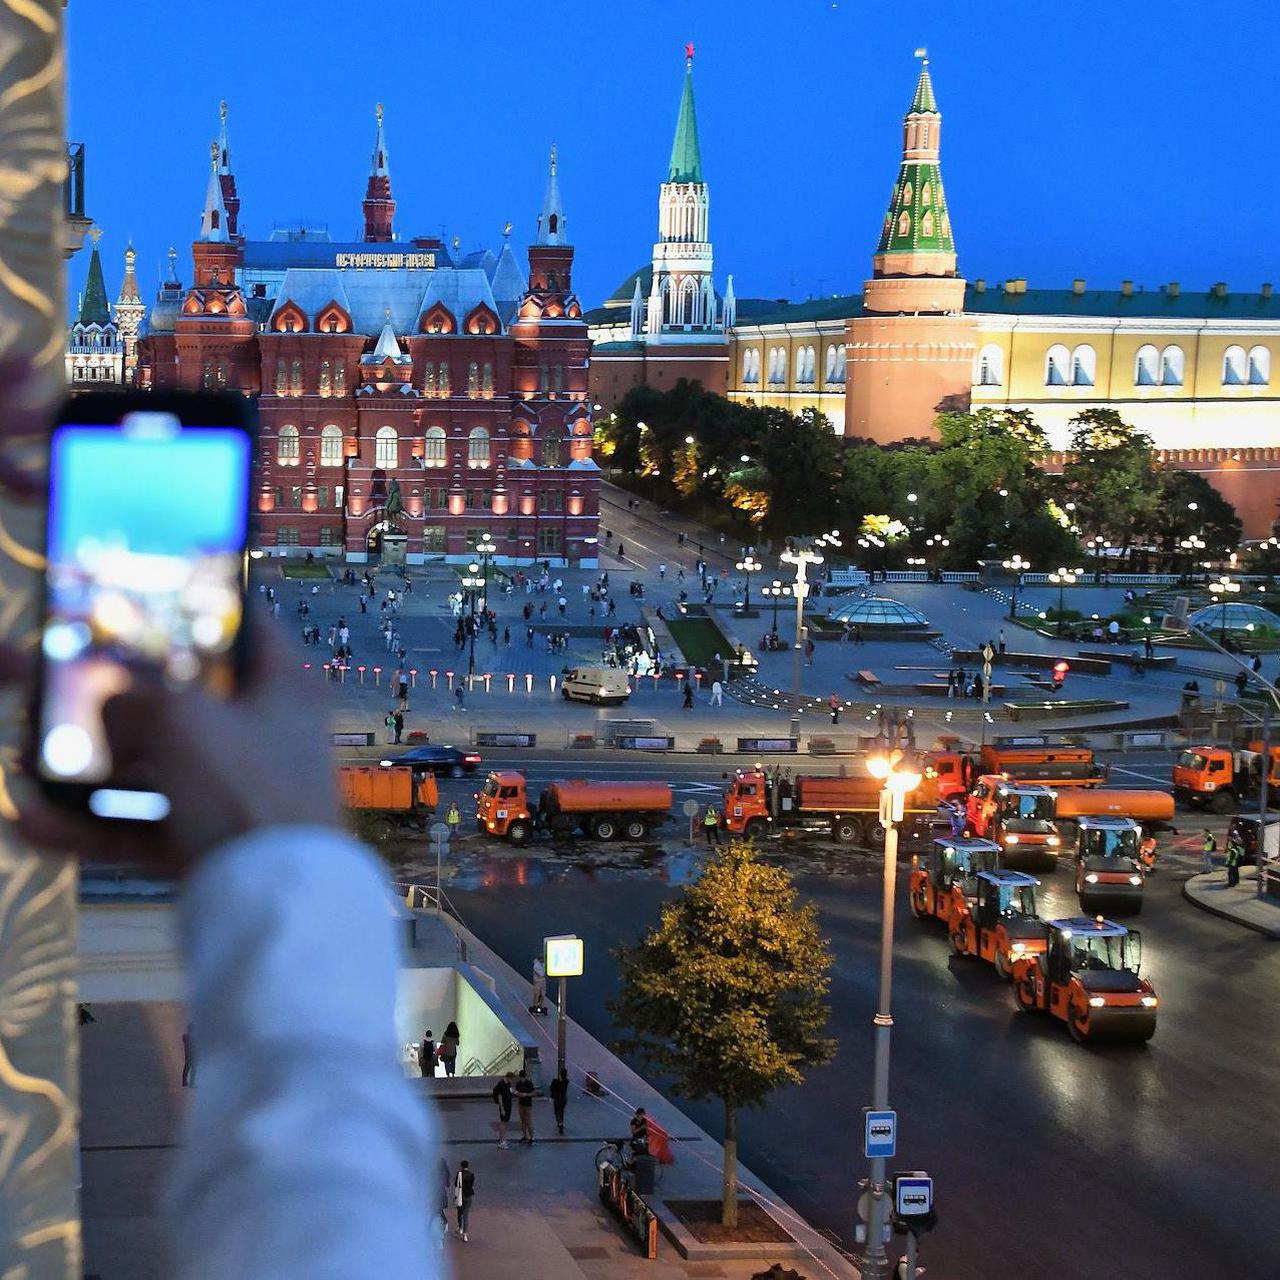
{"points": [[537, 1215], [1209, 891]]}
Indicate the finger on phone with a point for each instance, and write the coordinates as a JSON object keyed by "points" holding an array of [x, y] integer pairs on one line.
{"points": [[17, 666]]}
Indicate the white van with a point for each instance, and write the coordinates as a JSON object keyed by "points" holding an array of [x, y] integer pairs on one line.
{"points": [[596, 684]]}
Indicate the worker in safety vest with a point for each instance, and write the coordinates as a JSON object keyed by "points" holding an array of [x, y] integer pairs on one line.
{"points": [[453, 818], [711, 825]]}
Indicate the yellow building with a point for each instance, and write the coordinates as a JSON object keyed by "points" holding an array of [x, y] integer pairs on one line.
{"points": [[1192, 370]]}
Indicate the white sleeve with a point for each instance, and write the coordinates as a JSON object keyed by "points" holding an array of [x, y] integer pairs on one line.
{"points": [[305, 1152]]}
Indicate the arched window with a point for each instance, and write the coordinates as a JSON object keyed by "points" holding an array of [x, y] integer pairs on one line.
{"points": [[220, 372], [1057, 363], [486, 378], [434, 448], [904, 223], [444, 378], [831, 364], [326, 380], [287, 447], [429, 377], [544, 378], [1259, 366], [331, 446], [295, 378], [282, 378], [1146, 367], [1233, 367], [1172, 365], [386, 451], [1084, 364], [840, 364], [206, 376], [810, 364], [557, 378], [552, 445], [473, 378], [990, 366], [339, 377], [747, 353], [478, 448]]}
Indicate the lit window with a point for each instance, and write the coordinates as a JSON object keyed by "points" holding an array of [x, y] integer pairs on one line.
{"points": [[287, 448], [434, 447], [385, 448], [326, 380], [831, 364], [331, 446], [295, 378], [478, 448], [552, 446]]}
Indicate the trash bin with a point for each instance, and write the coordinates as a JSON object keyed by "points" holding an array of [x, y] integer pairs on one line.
{"points": [[643, 1169]]}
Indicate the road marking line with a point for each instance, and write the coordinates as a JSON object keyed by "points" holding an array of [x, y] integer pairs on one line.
{"points": [[1136, 773]]}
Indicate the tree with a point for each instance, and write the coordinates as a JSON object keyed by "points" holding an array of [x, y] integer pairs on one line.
{"points": [[727, 993]]}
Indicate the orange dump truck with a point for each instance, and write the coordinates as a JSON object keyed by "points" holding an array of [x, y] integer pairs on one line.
{"points": [[1152, 809], [844, 809], [393, 794], [1051, 765], [602, 810], [1218, 778]]}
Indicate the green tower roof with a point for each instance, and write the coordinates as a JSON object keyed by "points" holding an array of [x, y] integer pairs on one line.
{"points": [[93, 306], [686, 159], [924, 99], [917, 221]]}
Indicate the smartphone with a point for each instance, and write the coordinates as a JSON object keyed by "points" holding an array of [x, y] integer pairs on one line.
{"points": [[145, 576]]}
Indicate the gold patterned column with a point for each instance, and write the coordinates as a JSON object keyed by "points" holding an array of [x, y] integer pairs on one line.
{"points": [[39, 1219]]}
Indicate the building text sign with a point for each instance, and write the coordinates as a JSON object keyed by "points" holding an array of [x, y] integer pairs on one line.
{"points": [[425, 261]]}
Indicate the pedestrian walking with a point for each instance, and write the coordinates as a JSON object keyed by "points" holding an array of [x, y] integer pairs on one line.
{"points": [[445, 1182], [1001, 646], [453, 819], [503, 1097], [559, 1091], [662, 571], [390, 721], [539, 1005], [524, 1100], [449, 1044], [834, 703], [717, 693], [506, 637], [1149, 650], [464, 1190], [188, 1059], [808, 652], [397, 719], [1235, 856], [688, 696], [1209, 847], [711, 825], [562, 602], [459, 699], [427, 1055]]}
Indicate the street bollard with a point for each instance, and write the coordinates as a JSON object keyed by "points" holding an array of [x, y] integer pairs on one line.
{"points": [[448, 675], [306, 666], [553, 683], [511, 681], [342, 666], [488, 675], [697, 679], [413, 677], [327, 667], [360, 669], [528, 682], [433, 673], [377, 675]]}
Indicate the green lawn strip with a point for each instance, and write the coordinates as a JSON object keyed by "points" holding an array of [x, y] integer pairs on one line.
{"points": [[699, 640], [304, 570]]}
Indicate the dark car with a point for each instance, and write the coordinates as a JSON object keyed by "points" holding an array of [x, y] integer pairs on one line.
{"points": [[437, 758]]}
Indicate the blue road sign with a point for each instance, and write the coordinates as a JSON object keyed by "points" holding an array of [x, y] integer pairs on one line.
{"points": [[880, 1140], [913, 1194]]}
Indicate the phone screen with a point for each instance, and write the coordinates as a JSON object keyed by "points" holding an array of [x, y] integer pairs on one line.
{"points": [[147, 524]]}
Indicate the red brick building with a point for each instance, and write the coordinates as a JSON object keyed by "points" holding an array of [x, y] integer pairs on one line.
{"points": [[411, 399]]}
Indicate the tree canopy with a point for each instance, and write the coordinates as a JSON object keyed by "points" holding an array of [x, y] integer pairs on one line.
{"points": [[727, 993]]}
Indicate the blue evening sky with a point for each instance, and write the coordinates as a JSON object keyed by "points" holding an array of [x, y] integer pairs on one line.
{"points": [[159, 497], [1102, 139]]}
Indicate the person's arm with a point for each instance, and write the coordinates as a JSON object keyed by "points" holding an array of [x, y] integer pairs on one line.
{"points": [[305, 1152]]}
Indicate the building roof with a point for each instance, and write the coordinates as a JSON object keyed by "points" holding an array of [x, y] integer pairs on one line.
{"points": [[622, 295], [551, 221], [1143, 304], [686, 157], [93, 306], [761, 311], [506, 279], [313, 248], [924, 101]]}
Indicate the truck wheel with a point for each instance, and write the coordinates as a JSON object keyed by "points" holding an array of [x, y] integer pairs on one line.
{"points": [[917, 905], [604, 829], [846, 830], [873, 832], [518, 832], [564, 693], [1077, 1024], [1223, 802], [960, 942], [1024, 995], [635, 829], [754, 829]]}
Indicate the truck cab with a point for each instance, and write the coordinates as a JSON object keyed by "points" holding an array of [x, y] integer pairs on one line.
{"points": [[1019, 817], [502, 807], [1217, 778], [999, 921], [1088, 976], [948, 863], [1109, 864]]}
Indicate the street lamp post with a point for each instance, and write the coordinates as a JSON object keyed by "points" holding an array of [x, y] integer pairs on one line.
{"points": [[1017, 566], [900, 775], [749, 565], [802, 555], [775, 590], [472, 582], [1223, 588], [1062, 578], [485, 549]]}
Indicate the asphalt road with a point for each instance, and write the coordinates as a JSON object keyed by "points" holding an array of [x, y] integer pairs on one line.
{"points": [[1050, 1158]]}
